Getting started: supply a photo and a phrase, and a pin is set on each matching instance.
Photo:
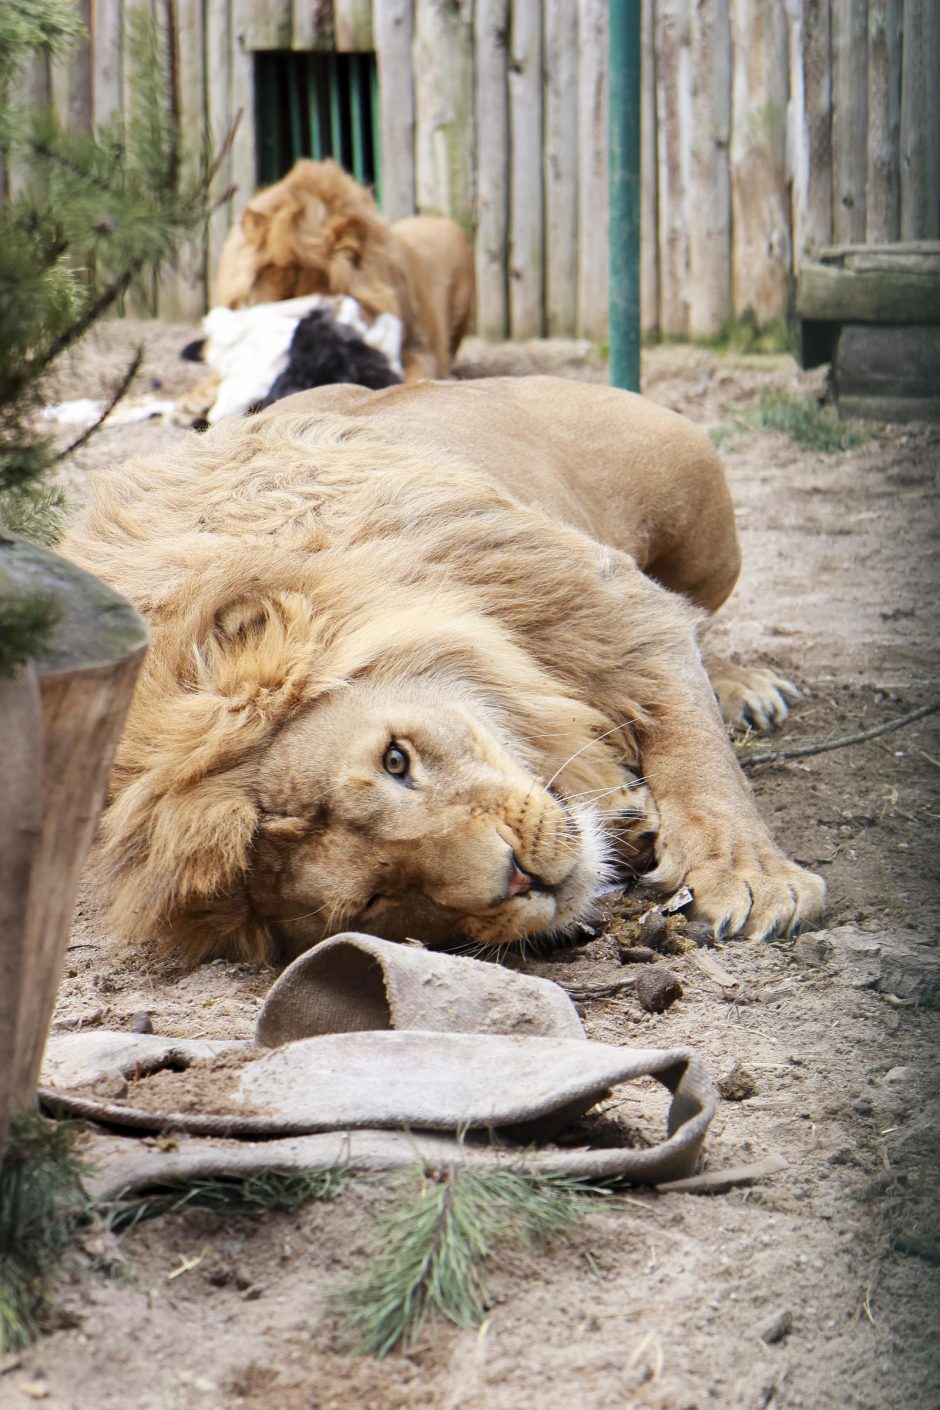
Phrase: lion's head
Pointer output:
(317, 231)
(402, 813)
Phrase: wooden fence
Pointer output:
(770, 129)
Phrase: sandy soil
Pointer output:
(657, 1300)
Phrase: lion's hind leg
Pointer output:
(752, 697)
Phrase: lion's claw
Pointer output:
(766, 897)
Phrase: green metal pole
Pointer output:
(624, 177)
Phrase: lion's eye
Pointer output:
(395, 761)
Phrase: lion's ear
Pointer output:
(260, 650)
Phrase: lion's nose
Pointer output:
(519, 881)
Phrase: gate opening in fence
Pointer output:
(317, 105)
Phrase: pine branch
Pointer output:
(432, 1251)
(118, 395)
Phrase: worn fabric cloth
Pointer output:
(376, 1055)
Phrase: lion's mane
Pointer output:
(276, 559)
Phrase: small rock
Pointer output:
(141, 1022)
(737, 1084)
(862, 1107)
(110, 1086)
(657, 988)
(36, 1390)
(636, 954)
(901, 1075)
(253, 1293)
(775, 1327)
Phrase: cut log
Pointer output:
(62, 719)
(899, 285)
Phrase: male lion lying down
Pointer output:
(317, 231)
(406, 666)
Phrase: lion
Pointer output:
(317, 231)
(424, 664)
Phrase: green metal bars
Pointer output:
(624, 176)
(317, 105)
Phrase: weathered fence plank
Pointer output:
(242, 168)
(883, 177)
(393, 37)
(710, 181)
(70, 80)
(181, 287)
(809, 128)
(108, 50)
(269, 24)
(760, 257)
(593, 198)
(490, 39)
(312, 24)
(649, 176)
(526, 218)
(219, 109)
(352, 25)
(849, 118)
(561, 167)
(445, 156)
(673, 117)
(920, 121)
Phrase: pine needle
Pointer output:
(252, 1195)
(41, 1201)
(432, 1250)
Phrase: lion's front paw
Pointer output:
(760, 896)
(752, 696)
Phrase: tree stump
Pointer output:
(61, 716)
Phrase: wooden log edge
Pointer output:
(81, 684)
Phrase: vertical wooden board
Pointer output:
(107, 67)
(141, 299)
(920, 121)
(809, 130)
(352, 26)
(560, 40)
(269, 24)
(849, 119)
(710, 185)
(70, 79)
(243, 168)
(526, 214)
(394, 31)
(36, 88)
(883, 182)
(219, 31)
(593, 190)
(312, 24)
(443, 76)
(673, 122)
(649, 176)
(181, 287)
(760, 256)
(490, 38)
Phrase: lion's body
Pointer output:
(441, 569)
(318, 231)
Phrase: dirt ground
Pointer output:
(655, 1301)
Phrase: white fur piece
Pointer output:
(249, 347)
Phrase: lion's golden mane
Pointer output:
(277, 561)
